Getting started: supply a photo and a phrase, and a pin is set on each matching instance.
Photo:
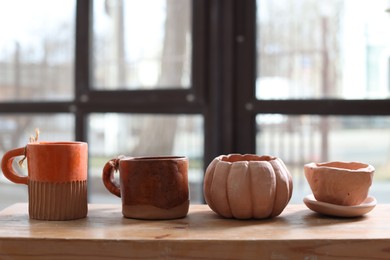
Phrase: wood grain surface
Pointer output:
(297, 233)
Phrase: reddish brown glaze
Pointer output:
(158, 184)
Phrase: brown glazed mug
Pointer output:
(150, 187)
(57, 178)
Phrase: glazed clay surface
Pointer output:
(247, 186)
(341, 183)
(150, 187)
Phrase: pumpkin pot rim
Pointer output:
(236, 157)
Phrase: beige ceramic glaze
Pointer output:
(247, 186)
(340, 183)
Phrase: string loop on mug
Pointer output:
(115, 162)
(32, 139)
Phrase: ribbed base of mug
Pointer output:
(57, 201)
(152, 212)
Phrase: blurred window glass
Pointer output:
(323, 49)
(141, 44)
(37, 50)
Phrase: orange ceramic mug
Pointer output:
(150, 187)
(57, 178)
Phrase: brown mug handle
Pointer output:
(8, 170)
(108, 176)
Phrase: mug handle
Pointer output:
(108, 176)
(8, 170)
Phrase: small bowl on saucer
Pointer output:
(340, 183)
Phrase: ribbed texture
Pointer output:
(57, 201)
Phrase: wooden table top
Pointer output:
(297, 232)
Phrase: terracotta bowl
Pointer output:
(340, 183)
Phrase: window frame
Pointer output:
(248, 106)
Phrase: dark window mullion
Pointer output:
(245, 70)
(324, 107)
(199, 54)
(82, 65)
(82, 47)
(158, 96)
(35, 107)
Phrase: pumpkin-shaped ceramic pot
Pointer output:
(247, 186)
(341, 183)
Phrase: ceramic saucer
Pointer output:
(338, 210)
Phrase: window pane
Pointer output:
(15, 131)
(323, 49)
(298, 140)
(111, 135)
(36, 50)
(141, 44)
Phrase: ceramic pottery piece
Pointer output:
(150, 187)
(247, 186)
(338, 210)
(340, 183)
(57, 178)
